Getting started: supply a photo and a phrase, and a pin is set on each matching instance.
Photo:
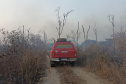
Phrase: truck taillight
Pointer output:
(53, 53)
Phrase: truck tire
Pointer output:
(52, 64)
(61, 40)
(72, 63)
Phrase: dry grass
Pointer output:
(25, 69)
(104, 63)
(68, 77)
(20, 61)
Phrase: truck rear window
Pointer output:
(64, 46)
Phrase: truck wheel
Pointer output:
(72, 63)
(52, 64)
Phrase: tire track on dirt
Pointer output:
(60, 75)
(89, 78)
(68, 77)
(52, 76)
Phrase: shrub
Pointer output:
(22, 61)
(104, 63)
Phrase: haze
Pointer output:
(38, 14)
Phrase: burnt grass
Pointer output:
(67, 76)
(22, 58)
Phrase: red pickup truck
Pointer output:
(62, 52)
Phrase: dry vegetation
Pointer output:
(104, 61)
(68, 77)
(21, 58)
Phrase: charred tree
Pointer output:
(61, 22)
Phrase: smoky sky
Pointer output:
(41, 15)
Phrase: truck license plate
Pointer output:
(64, 59)
(64, 51)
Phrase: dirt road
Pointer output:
(89, 77)
(53, 76)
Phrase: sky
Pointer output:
(41, 15)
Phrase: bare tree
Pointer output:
(72, 36)
(83, 32)
(44, 34)
(53, 40)
(87, 37)
(68, 37)
(23, 32)
(62, 22)
(111, 19)
(28, 30)
(95, 32)
(87, 32)
(120, 39)
(77, 35)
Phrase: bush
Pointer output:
(22, 61)
(104, 63)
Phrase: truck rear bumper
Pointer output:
(64, 59)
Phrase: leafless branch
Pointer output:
(87, 33)
(57, 29)
(83, 32)
(121, 28)
(53, 40)
(28, 32)
(111, 19)
(124, 32)
(61, 22)
(95, 31)
(77, 34)
(64, 19)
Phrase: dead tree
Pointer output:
(68, 37)
(87, 32)
(87, 37)
(77, 35)
(44, 34)
(23, 33)
(23, 38)
(95, 32)
(83, 32)
(28, 30)
(53, 40)
(111, 19)
(123, 41)
(73, 36)
(62, 22)
(120, 39)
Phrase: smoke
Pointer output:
(36, 14)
